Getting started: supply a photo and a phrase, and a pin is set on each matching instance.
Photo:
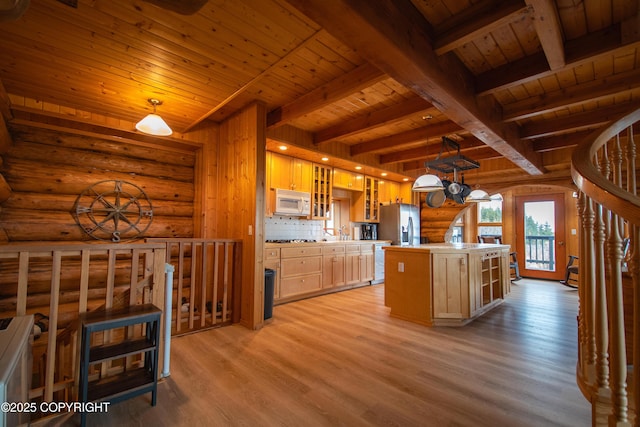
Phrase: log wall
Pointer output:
(47, 169)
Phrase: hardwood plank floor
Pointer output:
(341, 360)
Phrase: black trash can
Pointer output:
(269, 289)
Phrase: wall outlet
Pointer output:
(573, 231)
(401, 267)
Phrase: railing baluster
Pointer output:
(587, 277)
(601, 321)
(618, 358)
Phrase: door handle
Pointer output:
(560, 243)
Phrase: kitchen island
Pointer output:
(445, 283)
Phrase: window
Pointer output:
(458, 230)
(490, 217)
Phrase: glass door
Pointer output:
(540, 231)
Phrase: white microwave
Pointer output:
(292, 203)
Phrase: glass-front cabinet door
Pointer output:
(321, 192)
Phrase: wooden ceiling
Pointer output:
(516, 82)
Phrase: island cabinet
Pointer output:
(445, 284)
(301, 269)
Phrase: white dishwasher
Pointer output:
(379, 261)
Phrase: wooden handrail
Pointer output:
(590, 181)
(609, 277)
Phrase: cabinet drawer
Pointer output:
(332, 249)
(366, 248)
(272, 253)
(353, 248)
(300, 266)
(300, 285)
(490, 254)
(300, 251)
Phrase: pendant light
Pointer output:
(478, 196)
(427, 184)
(153, 123)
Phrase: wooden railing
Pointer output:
(604, 168)
(60, 281)
(538, 252)
(207, 276)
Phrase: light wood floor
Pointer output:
(341, 360)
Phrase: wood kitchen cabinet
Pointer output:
(333, 266)
(272, 261)
(366, 206)
(445, 284)
(360, 263)
(310, 269)
(321, 191)
(490, 287)
(289, 173)
(451, 290)
(301, 268)
(389, 191)
(348, 180)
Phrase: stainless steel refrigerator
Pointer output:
(400, 223)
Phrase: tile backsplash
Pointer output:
(291, 227)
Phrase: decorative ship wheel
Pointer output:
(113, 210)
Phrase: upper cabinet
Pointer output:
(348, 180)
(366, 205)
(290, 173)
(321, 191)
(389, 191)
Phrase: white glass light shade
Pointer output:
(478, 196)
(154, 125)
(427, 184)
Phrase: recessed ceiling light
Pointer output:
(405, 179)
(358, 167)
(282, 147)
(325, 159)
(383, 174)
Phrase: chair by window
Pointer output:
(514, 268)
(572, 270)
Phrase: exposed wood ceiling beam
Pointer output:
(422, 152)
(476, 21)
(578, 51)
(405, 53)
(547, 25)
(404, 138)
(560, 141)
(573, 96)
(373, 120)
(362, 77)
(575, 122)
(251, 82)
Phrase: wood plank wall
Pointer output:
(234, 200)
(48, 168)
